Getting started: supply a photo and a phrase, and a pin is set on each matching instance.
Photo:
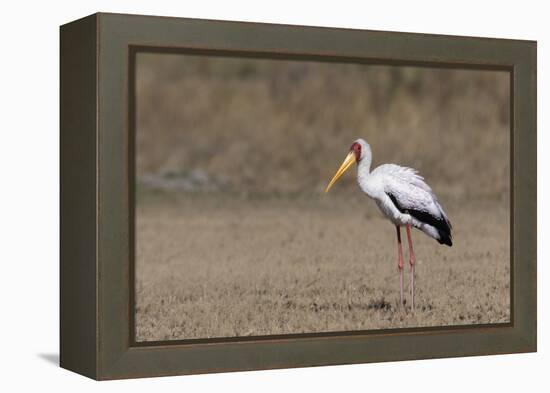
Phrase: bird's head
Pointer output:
(359, 150)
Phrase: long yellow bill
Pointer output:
(349, 161)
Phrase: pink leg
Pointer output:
(412, 261)
(400, 262)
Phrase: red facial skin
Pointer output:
(356, 148)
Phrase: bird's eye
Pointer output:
(356, 147)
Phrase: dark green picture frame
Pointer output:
(97, 155)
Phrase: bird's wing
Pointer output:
(405, 174)
(410, 194)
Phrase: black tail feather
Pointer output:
(445, 238)
(441, 223)
(442, 226)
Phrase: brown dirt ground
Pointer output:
(218, 265)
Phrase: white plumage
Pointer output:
(403, 197)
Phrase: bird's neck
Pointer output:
(363, 172)
(363, 166)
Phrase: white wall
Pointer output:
(29, 197)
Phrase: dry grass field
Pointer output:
(212, 266)
(234, 236)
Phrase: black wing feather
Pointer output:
(440, 223)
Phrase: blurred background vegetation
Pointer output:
(278, 127)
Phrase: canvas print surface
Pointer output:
(235, 235)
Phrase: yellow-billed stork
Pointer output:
(403, 197)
